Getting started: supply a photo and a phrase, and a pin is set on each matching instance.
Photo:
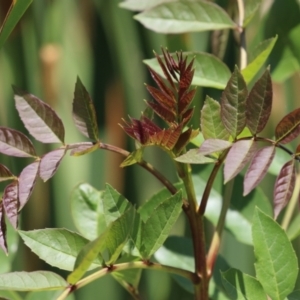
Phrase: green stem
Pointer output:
(197, 230)
(216, 240)
(292, 205)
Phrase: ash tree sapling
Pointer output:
(113, 235)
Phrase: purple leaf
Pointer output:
(39, 118)
(288, 128)
(211, 123)
(50, 163)
(213, 145)
(238, 156)
(5, 173)
(284, 186)
(258, 168)
(259, 104)
(15, 143)
(27, 180)
(11, 203)
(3, 243)
(84, 113)
(233, 104)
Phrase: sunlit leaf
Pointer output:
(260, 55)
(84, 149)
(213, 145)
(233, 104)
(139, 5)
(3, 243)
(109, 244)
(284, 186)
(27, 180)
(194, 157)
(259, 104)
(211, 123)
(11, 203)
(50, 162)
(84, 113)
(32, 281)
(209, 70)
(46, 295)
(39, 118)
(15, 143)
(16, 11)
(85, 201)
(5, 173)
(258, 168)
(156, 228)
(288, 128)
(185, 16)
(57, 247)
(276, 263)
(238, 156)
(239, 285)
(251, 8)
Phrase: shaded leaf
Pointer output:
(32, 281)
(214, 145)
(57, 247)
(5, 173)
(233, 104)
(84, 113)
(293, 230)
(84, 149)
(15, 143)
(238, 156)
(85, 201)
(50, 162)
(156, 228)
(276, 263)
(260, 55)
(284, 186)
(242, 286)
(211, 123)
(11, 203)
(194, 157)
(288, 128)
(209, 70)
(258, 168)
(27, 180)
(109, 244)
(197, 16)
(39, 118)
(259, 104)
(3, 243)
(295, 295)
(16, 11)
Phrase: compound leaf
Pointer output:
(3, 243)
(185, 16)
(276, 263)
(15, 143)
(27, 180)
(259, 104)
(211, 123)
(233, 104)
(258, 168)
(57, 247)
(194, 157)
(11, 203)
(39, 118)
(213, 145)
(84, 113)
(50, 163)
(284, 186)
(5, 173)
(238, 156)
(288, 128)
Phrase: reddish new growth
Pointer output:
(172, 101)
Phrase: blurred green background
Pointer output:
(101, 43)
